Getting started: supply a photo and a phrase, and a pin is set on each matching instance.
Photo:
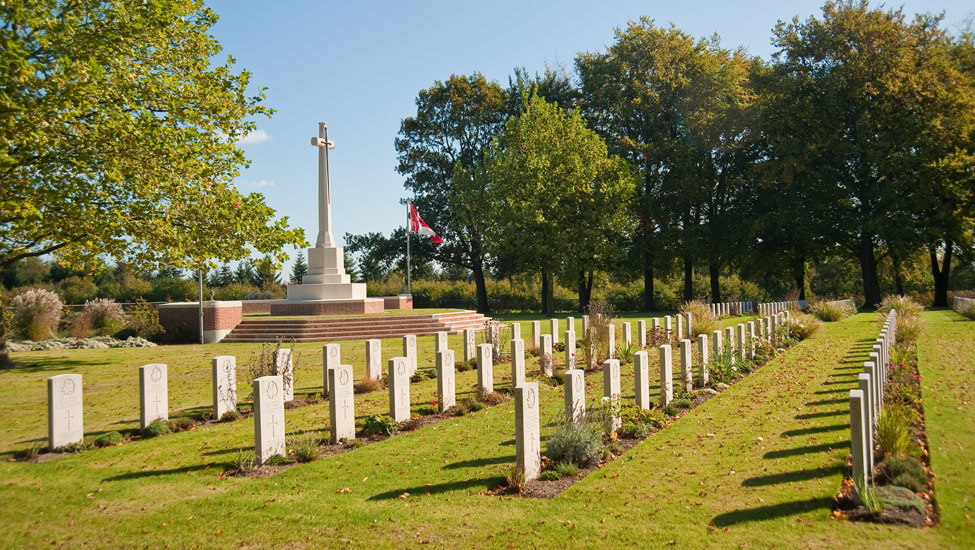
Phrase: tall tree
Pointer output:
(119, 137)
(556, 194)
(668, 103)
(299, 269)
(867, 96)
(454, 124)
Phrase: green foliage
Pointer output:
(514, 478)
(231, 416)
(900, 498)
(893, 433)
(277, 460)
(831, 311)
(682, 403)
(721, 368)
(143, 318)
(36, 314)
(703, 321)
(640, 422)
(423, 374)
(869, 496)
(243, 461)
(467, 405)
(109, 439)
(181, 424)
(580, 443)
(156, 428)
(105, 314)
(379, 424)
(803, 326)
(34, 450)
(625, 352)
(905, 471)
(305, 447)
(77, 290)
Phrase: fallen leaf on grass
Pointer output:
(344, 490)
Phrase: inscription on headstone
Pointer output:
(284, 367)
(399, 388)
(154, 394)
(528, 454)
(446, 396)
(374, 359)
(330, 359)
(469, 347)
(268, 417)
(224, 371)
(341, 403)
(575, 394)
(64, 411)
(517, 362)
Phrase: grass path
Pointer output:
(946, 357)
(755, 467)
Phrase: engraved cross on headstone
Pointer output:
(157, 403)
(274, 423)
(67, 417)
(345, 406)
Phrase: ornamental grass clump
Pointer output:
(703, 321)
(106, 315)
(909, 323)
(831, 311)
(579, 442)
(894, 431)
(36, 314)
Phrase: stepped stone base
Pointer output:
(327, 307)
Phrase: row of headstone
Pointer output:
(866, 401)
(771, 308)
(732, 309)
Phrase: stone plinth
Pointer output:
(182, 320)
(327, 307)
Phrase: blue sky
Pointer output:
(359, 65)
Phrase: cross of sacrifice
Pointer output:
(324, 239)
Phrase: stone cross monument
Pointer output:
(326, 289)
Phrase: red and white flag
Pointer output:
(417, 225)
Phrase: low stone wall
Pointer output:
(182, 320)
(401, 301)
(252, 307)
(327, 307)
(961, 304)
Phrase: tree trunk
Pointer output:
(548, 293)
(715, 276)
(868, 271)
(5, 361)
(688, 278)
(649, 304)
(941, 274)
(481, 288)
(585, 290)
(799, 274)
(898, 277)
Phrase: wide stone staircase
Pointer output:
(317, 329)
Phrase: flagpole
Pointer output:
(409, 288)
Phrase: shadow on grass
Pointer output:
(815, 430)
(772, 511)
(480, 462)
(41, 366)
(809, 416)
(789, 477)
(809, 449)
(157, 473)
(461, 485)
(827, 402)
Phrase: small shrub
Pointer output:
(804, 326)
(243, 461)
(109, 439)
(493, 398)
(969, 311)
(869, 496)
(894, 431)
(181, 424)
(230, 416)
(909, 327)
(80, 326)
(550, 475)
(566, 469)
(702, 320)
(720, 367)
(904, 305)
(34, 450)
(625, 352)
(143, 318)
(305, 447)
(467, 405)
(106, 315)
(277, 460)
(379, 425)
(515, 478)
(353, 443)
(36, 314)
(580, 443)
(904, 471)
(681, 403)
(367, 385)
(423, 374)
(156, 428)
(464, 366)
(832, 311)
(900, 498)
(671, 410)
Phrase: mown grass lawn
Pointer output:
(756, 466)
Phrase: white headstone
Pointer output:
(865, 382)
(516, 331)
(374, 359)
(517, 362)
(641, 328)
(528, 454)
(224, 371)
(641, 379)
(668, 326)
(858, 443)
(611, 340)
(470, 349)
(702, 351)
(446, 397)
(750, 331)
(546, 358)
(729, 341)
(761, 328)
(284, 367)
(536, 335)
(611, 389)
(570, 324)
(680, 326)
(268, 417)
(740, 340)
(341, 402)
(686, 366)
(666, 375)
(331, 354)
(575, 394)
(570, 349)
(716, 344)
(65, 424)
(688, 324)
(585, 324)
(554, 330)
(409, 351)
(440, 341)
(153, 393)
(485, 369)
(627, 334)
(399, 388)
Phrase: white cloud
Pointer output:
(257, 136)
(256, 184)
